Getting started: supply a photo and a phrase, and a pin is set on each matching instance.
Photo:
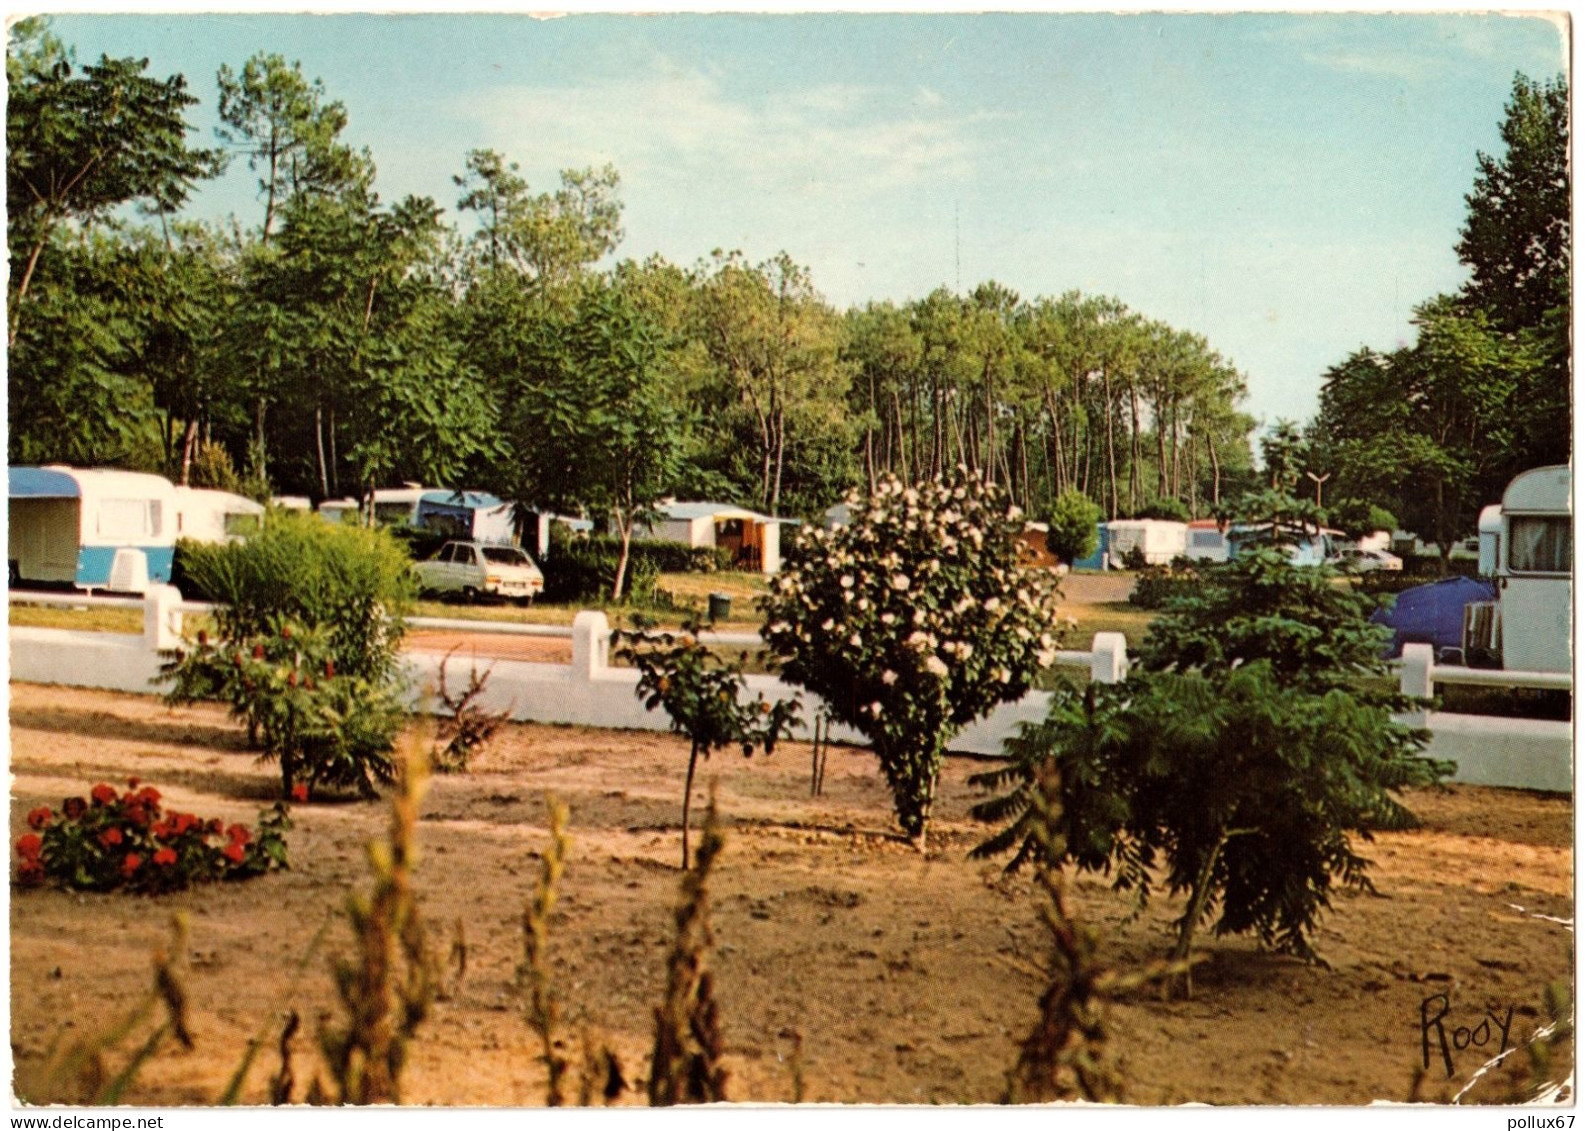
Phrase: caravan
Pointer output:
(1535, 559)
(91, 528)
(203, 515)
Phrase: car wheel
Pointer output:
(469, 594)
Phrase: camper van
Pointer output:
(215, 516)
(91, 528)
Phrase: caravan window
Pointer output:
(1540, 545)
(393, 513)
(239, 523)
(124, 519)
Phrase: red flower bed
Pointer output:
(126, 840)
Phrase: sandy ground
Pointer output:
(907, 978)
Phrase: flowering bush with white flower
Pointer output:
(913, 621)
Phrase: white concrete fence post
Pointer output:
(162, 617)
(1415, 680)
(1109, 657)
(591, 645)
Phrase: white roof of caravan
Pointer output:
(691, 511)
(138, 484)
(235, 504)
(1544, 490)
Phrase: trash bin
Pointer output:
(720, 607)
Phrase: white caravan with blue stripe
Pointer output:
(68, 524)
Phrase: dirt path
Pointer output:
(907, 978)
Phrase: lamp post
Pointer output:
(1317, 480)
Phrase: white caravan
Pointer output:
(1534, 564)
(205, 515)
(1158, 539)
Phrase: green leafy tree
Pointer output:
(703, 694)
(912, 621)
(1071, 527)
(776, 348)
(590, 422)
(1264, 689)
(1516, 238)
(549, 238)
(289, 130)
(80, 142)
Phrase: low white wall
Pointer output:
(1516, 753)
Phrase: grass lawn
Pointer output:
(1108, 616)
(78, 619)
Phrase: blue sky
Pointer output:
(1288, 185)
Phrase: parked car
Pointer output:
(473, 570)
(1356, 560)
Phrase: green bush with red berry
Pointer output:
(329, 728)
(126, 840)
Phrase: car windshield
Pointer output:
(505, 555)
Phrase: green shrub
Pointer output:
(311, 617)
(587, 572)
(665, 556)
(327, 726)
(1156, 585)
(1256, 736)
(1171, 510)
(1071, 532)
(352, 580)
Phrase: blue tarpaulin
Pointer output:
(1432, 614)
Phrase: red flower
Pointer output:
(74, 807)
(138, 815)
(165, 857)
(102, 794)
(258, 651)
(181, 822)
(31, 872)
(234, 852)
(330, 669)
(30, 845)
(148, 795)
(239, 834)
(110, 837)
(131, 864)
(39, 817)
(300, 791)
(236, 660)
(286, 632)
(291, 679)
(161, 830)
(132, 783)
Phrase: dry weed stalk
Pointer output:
(601, 1069)
(686, 1066)
(465, 727)
(542, 1011)
(78, 1073)
(1065, 1055)
(282, 1083)
(387, 990)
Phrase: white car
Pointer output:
(1355, 560)
(472, 570)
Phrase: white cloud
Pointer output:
(672, 123)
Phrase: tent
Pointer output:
(1432, 614)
